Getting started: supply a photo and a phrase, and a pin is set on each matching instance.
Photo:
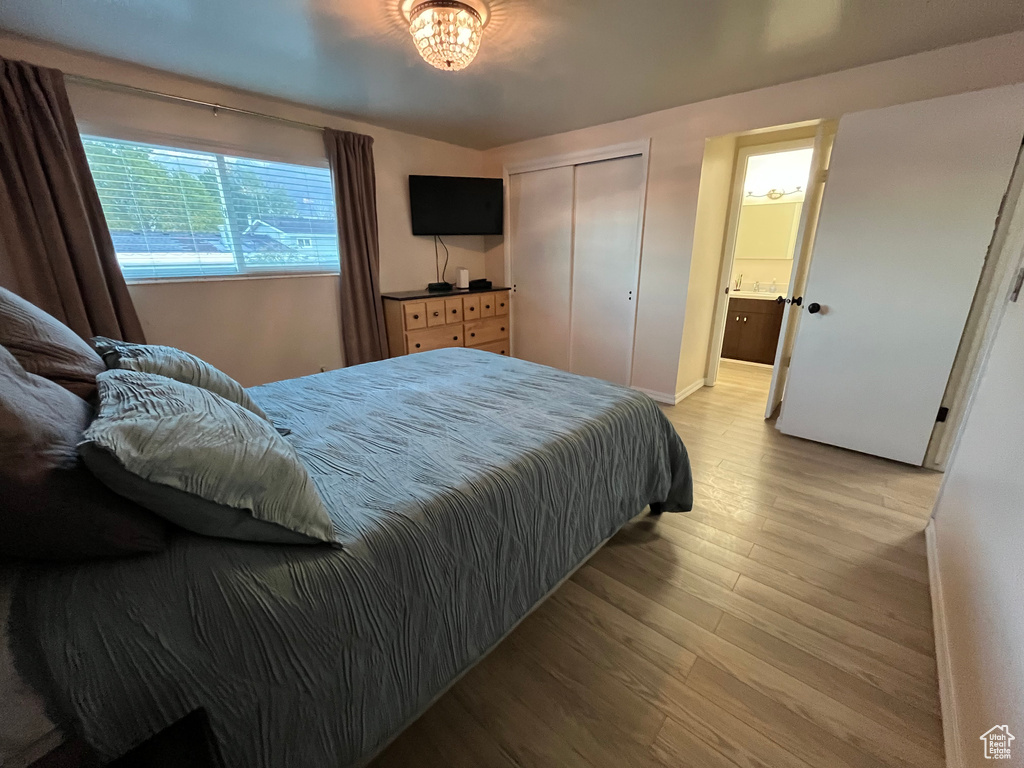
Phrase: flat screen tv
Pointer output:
(455, 205)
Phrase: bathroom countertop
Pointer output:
(763, 295)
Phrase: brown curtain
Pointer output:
(55, 249)
(363, 336)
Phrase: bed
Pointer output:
(463, 487)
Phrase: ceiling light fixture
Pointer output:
(446, 33)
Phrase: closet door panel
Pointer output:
(606, 260)
(540, 226)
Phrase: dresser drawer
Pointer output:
(485, 331)
(415, 315)
(471, 306)
(488, 304)
(435, 313)
(434, 338)
(497, 347)
(453, 310)
(501, 303)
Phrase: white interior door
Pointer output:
(801, 264)
(540, 227)
(606, 267)
(910, 206)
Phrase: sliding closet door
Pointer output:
(606, 263)
(540, 219)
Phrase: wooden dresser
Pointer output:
(418, 321)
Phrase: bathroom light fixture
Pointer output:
(776, 194)
(446, 32)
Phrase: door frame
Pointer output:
(998, 275)
(824, 138)
(642, 148)
(768, 147)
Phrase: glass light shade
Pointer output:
(446, 33)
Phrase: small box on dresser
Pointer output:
(418, 321)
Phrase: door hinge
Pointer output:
(823, 176)
(943, 413)
(1017, 285)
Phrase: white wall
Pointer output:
(677, 146)
(222, 318)
(712, 215)
(979, 548)
(254, 330)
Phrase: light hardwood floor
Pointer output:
(784, 622)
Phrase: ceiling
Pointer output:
(545, 66)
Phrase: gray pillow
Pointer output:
(174, 364)
(200, 461)
(46, 347)
(51, 507)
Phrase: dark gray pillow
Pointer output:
(174, 364)
(51, 507)
(200, 461)
(44, 346)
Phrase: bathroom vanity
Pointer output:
(752, 327)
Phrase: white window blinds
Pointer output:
(185, 213)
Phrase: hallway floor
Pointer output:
(786, 621)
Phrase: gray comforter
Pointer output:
(462, 485)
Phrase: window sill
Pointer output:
(225, 278)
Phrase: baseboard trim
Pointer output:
(947, 691)
(666, 398)
(658, 397)
(747, 362)
(685, 392)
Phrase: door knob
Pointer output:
(798, 301)
(814, 308)
(780, 300)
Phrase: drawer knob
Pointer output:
(473, 335)
(455, 338)
(487, 306)
(417, 346)
(415, 317)
(503, 328)
(472, 308)
(455, 311)
(437, 314)
(502, 304)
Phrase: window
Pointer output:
(183, 213)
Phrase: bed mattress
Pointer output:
(462, 486)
